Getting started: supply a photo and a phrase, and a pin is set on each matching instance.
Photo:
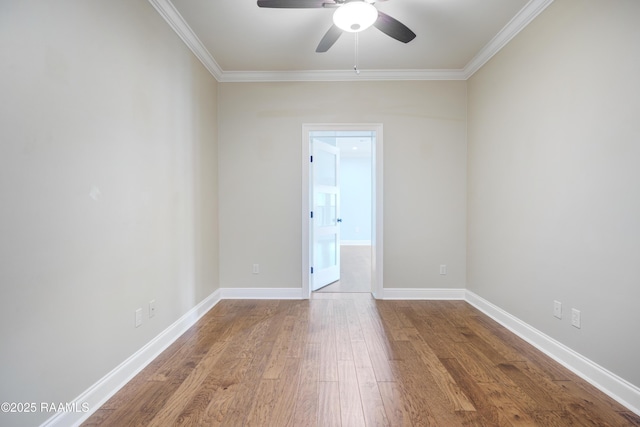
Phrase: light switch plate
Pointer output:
(575, 318)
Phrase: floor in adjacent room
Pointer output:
(355, 270)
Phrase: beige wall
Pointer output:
(110, 170)
(98, 96)
(554, 200)
(424, 178)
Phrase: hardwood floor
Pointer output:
(349, 360)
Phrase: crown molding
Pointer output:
(170, 14)
(340, 75)
(167, 10)
(527, 14)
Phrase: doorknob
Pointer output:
(339, 220)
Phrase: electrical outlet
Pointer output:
(443, 269)
(575, 318)
(256, 268)
(557, 309)
(138, 317)
(152, 308)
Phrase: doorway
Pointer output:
(342, 208)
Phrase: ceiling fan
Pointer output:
(351, 15)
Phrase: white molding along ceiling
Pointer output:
(182, 27)
(166, 9)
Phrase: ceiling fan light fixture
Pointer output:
(355, 16)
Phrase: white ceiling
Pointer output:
(238, 41)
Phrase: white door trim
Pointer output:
(377, 285)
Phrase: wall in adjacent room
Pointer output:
(424, 176)
(108, 182)
(355, 199)
(554, 200)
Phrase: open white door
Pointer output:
(325, 214)
(309, 243)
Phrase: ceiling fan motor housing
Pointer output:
(355, 16)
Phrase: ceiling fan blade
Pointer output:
(394, 28)
(292, 4)
(329, 39)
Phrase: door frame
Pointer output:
(377, 285)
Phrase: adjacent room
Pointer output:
(157, 240)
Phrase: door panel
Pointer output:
(325, 203)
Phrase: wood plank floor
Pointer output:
(349, 360)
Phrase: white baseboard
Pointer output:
(426, 294)
(96, 395)
(261, 293)
(611, 384)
